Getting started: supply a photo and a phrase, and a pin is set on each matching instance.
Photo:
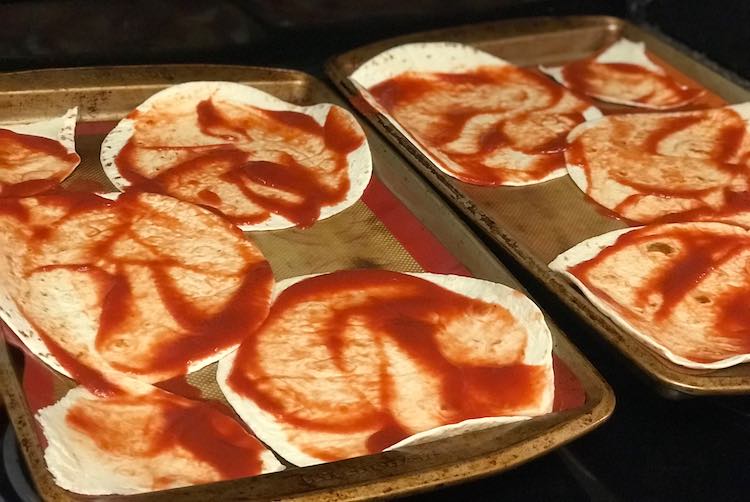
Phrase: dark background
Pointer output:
(303, 33)
(653, 448)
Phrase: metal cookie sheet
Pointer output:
(400, 224)
(536, 223)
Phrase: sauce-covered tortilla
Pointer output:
(663, 167)
(354, 362)
(145, 441)
(145, 286)
(484, 124)
(36, 157)
(683, 288)
(219, 145)
(624, 74)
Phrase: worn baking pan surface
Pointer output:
(536, 223)
(399, 224)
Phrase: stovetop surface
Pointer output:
(652, 448)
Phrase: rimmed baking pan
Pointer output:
(400, 224)
(535, 223)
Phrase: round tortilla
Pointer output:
(689, 336)
(182, 134)
(59, 285)
(527, 111)
(651, 88)
(131, 425)
(38, 170)
(280, 436)
(662, 167)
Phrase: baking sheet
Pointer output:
(536, 223)
(399, 224)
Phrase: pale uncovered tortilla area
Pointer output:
(37, 156)
(666, 167)
(682, 288)
(357, 362)
(145, 441)
(624, 74)
(477, 117)
(264, 163)
(146, 286)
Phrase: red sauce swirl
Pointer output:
(143, 427)
(623, 82)
(710, 183)
(695, 254)
(115, 260)
(396, 309)
(267, 162)
(32, 164)
(476, 124)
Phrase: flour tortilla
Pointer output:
(538, 352)
(682, 149)
(590, 248)
(627, 52)
(66, 303)
(61, 129)
(80, 466)
(441, 57)
(191, 93)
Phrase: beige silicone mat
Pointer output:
(536, 223)
(370, 234)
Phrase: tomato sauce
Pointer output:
(594, 79)
(170, 423)
(700, 254)
(200, 333)
(409, 320)
(304, 189)
(23, 152)
(93, 379)
(14, 208)
(723, 152)
(502, 91)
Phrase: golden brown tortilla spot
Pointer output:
(660, 247)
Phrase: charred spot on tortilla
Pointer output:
(660, 247)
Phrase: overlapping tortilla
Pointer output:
(264, 163)
(356, 362)
(682, 288)
(477, 117)
(146, 286)
(37, 156)
(145, 440)
(624, 74)
(683, 166)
